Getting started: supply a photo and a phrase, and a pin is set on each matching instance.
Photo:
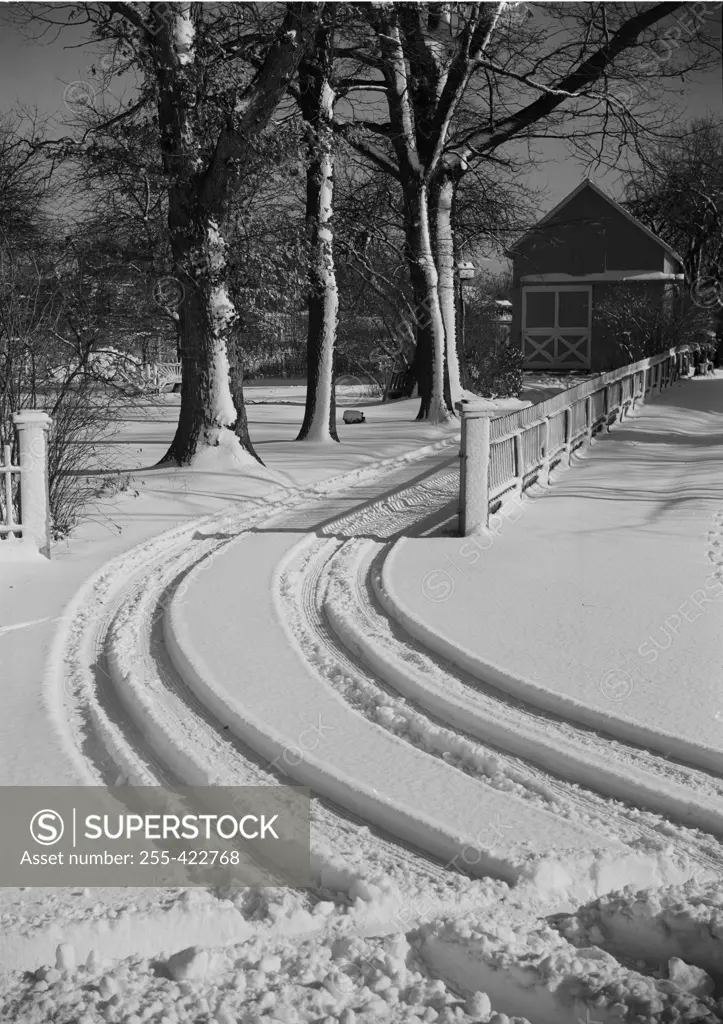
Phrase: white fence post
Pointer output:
(32, 427)
(475, 470)
(519, 462)
(545, 471)
(568, 434)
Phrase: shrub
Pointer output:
(644, 327)
(497, 372)
(46, 365)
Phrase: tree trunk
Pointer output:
(199, 190)
(236, 377)
(317, 105)
(206, 316)
(444, 212)
(429, 357)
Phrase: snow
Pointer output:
(470, 851)
(356, 764)
(427, 683)
(184, 33)
(632, 541)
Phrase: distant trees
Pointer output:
(23, 181)
(678, 193)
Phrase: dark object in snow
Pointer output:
(354, 416)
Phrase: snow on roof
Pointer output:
(587, 183)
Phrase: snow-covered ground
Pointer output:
(472, 830)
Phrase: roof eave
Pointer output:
(510, 253)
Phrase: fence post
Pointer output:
(474, 470)
(588, 416)
(568, 434)
(519, 463)
(32, 427)
(545, 471)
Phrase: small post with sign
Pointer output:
(465, 272)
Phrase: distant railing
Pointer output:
(502, 457)
(158, 375)
(24, 505)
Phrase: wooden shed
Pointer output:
(571, 262)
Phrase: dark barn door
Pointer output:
(556, 323)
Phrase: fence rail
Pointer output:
(24, 505)
(502, 457)
(158, 375)
(9, 495)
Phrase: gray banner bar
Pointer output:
(90, 836)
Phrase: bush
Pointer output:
(496, 373)
(46, 365)
(644, 327)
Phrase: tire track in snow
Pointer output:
(123, 699)
(356, 511)
(370, 694)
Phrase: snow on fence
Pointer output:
(25, 488)
(502, 457)
(158, 375)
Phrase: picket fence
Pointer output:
(501, 456)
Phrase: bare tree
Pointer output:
(678, 193)
(214, 75)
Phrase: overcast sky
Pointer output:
(36, 74)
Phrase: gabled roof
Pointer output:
(587, 183)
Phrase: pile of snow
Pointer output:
(351, 980)
(552, 982)
(490, 965)
(680, 925)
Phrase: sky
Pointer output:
(37, 74)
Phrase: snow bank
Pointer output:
(653, 926)
(530, 973)
(277, 977)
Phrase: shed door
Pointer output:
(556, 323)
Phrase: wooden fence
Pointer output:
(501, 457)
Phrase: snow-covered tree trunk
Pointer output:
(317, 105)
(201, 175)
(207, 316)
(444, 213)
(429, 361)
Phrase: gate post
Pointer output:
(32, 427)
(474, 470)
